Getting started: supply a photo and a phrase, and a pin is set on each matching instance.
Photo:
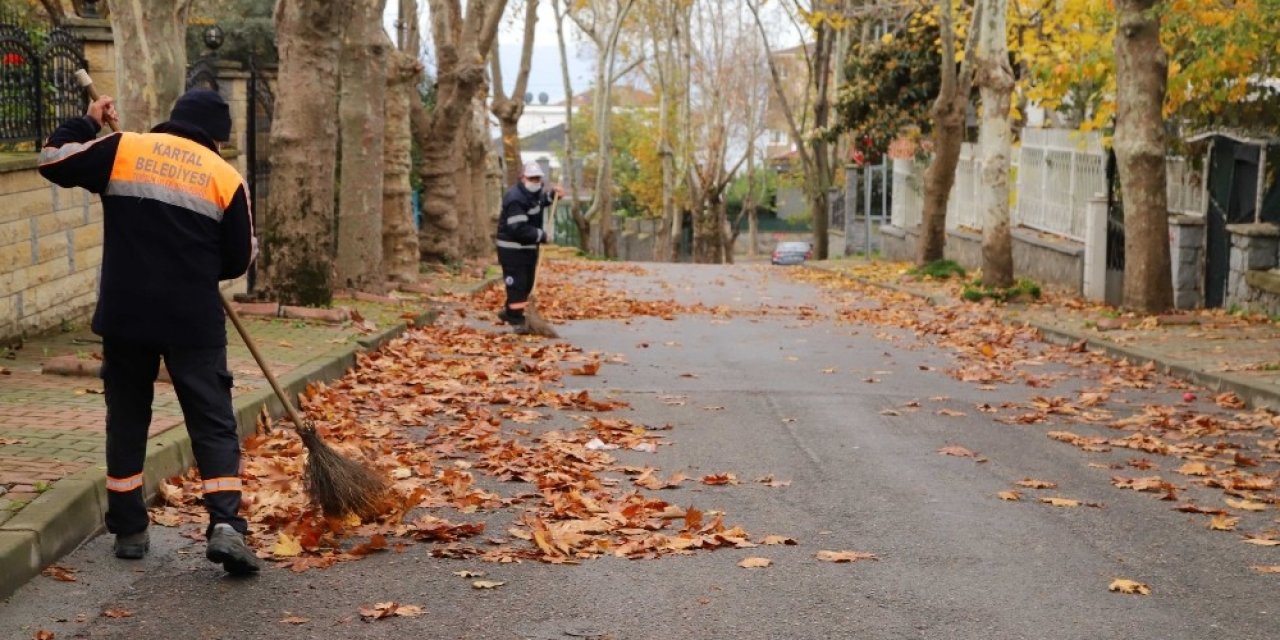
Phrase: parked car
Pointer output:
(791, 253)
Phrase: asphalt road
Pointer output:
(955, 562)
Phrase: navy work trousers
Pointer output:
(203, 385)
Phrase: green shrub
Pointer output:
(940, 269)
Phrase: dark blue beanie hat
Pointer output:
(205, 109)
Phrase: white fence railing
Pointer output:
(1057, 172)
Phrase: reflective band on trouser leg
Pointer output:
(214, 485)
(517, 306)
(124, 485)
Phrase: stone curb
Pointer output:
(72, 511)
(1254, 394)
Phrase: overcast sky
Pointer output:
(545, 76)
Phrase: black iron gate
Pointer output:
(260, 107)
(38, 88)
(1114, 282)
(1233, 189)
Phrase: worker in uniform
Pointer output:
(176, 221)
(520, 232)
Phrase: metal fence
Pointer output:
(1058, 172)
(38, 88)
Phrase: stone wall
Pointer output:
(1044, 258)
(50, 237)
(50, 250)
(1253, 283)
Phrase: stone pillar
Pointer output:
(233, 84)
(1094, 280)
(99, 51)
(1254, 247)
(1186, 248)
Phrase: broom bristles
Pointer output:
(536, 324)
(338, 484)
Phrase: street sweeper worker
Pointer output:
(176, 220)
(520, 232)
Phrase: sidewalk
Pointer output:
(1209, 347)
(51, 426)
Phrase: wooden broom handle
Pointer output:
(86, 83)
(262, 363)
(538, 266)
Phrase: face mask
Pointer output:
(532, 187)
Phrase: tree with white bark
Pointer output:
(994, 77)
(399, 234)
(508, 109)
(602, 22)
(361, 105)
(1142, 74)
(151, 58)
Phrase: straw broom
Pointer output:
(534, 322)
(339, 485)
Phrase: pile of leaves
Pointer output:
(461, 420)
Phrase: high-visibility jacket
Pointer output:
(520, 224)
(176, 218)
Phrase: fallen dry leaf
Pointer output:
(778, 540)
(1223, 522)
(1068, 502)
(1271, 568)
(844, 556)
(1247, 505)
(1228, 400)
(1011, 496)
(383, 610)
(486, 584)
(59, 573)
(720, 479)
(469, 574)
(1262, 542)
(755, 563)
(44, 634)
(959, 452)
(1032, 483)
(294, 619)
(1195, 469)
(116, 613)
(1121, 585)
(286, 547)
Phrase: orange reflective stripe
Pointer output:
(173, 170)
(213, 485)
(124, 485)
(518, 305)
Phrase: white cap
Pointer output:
(533, 170)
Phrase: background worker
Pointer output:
(177, 221)
(520, 232)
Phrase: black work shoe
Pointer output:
(133, 546)
(226, 545)
(505, 316)
(521, 329)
